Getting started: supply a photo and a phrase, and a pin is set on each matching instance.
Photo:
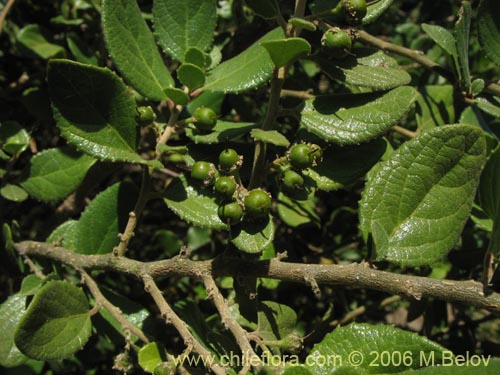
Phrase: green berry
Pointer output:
(176, 158)
(201, 170)
(257, 204)
(204, 118)
(292, 180)
(354, 10)
(230, 213)
(228, 160)
(336, 39)
(225, 186)
(300, 156)
(146, 115)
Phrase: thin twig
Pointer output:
(4, 13)
(112, 309)
(170, 129)
(305, 95)
(351, 315)
(34, 268)
(404, 131)
(172, 318)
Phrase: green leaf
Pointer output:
(275, 321)
(103, 219)
(253, 237)
(488, 107)
(267, 9)
(489, 196)
(178, 96)
(151, 356)
(367, 68)
(33, 38)
(56, 173)
(442, 37)
(196, 57)
(181, 25)
(488, 29)
(13, 193)
(250, 69)
(461, 34)
(56, 323)
(446, 366)
(191, 75)
(80, 50)
(11, 312)
(222, 132)
(375, 10)
(270, 136)
(209, 99)
(342, 166)
(297, 370)
(285, 51)
(417, 202)
(30, 285)
(194, 204)
(133, 49)
(65, 235)
(94, 111)
(365, 339)
(295, 213)
(352, 119)
(435, 106)
(13, 138)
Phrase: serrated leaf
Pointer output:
(94, 111)
(270, 136)
(222, 132)
(56, 323)
(375, 10)
(11, 312)
(103, 219)
(133, 49)
(342, 166)
(275, 321)
(13, 193)
(295, 213)
(191, 75)
(182, 25)
(250, 69)
(416, 203)
(14, 139)
(150, 356)
(56, 173)
(367, 68)
(285, 51)
(352, 119)
(488, 29)
(461, 34)
(442, 37)
(366, 339)
(435, 106)
(33, 38)
(194, 204)
(65, 234)
(253, 237)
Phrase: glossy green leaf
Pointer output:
(13, 193)
(367, 68)
(442, 37)
(461, 33)
(192, 203)
(191, 75)
(33, 38)
(196, 57)
(56, 323)
(275, 321)
(294, 212)
(14, 139)
(133, 49)
(178, 96)
(366, 339)
(416, 204)
(11, 311)
(285, 51)
(31, 284)
(208, 99)
(103, 219)
(435, 106)
(222, 132)
(56, 173)
(352, 119)
(180, 25)
(488, 107)
(270, 136)
(489, 195)
(253, 237)
(375, 10)
(488, 29)
(94, 111)
(250, 69)
(151, 356)
(65, 235)
(342, 166)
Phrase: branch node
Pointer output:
(313, 284)
(281, 256)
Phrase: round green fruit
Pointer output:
(355, 11)
(146, 115)
(228, 159)
(292, 180)
(204, 118)
(300, 156)
(225, 186)
(201, 170)
(257, 204)
(230, 213)
(336, 39)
